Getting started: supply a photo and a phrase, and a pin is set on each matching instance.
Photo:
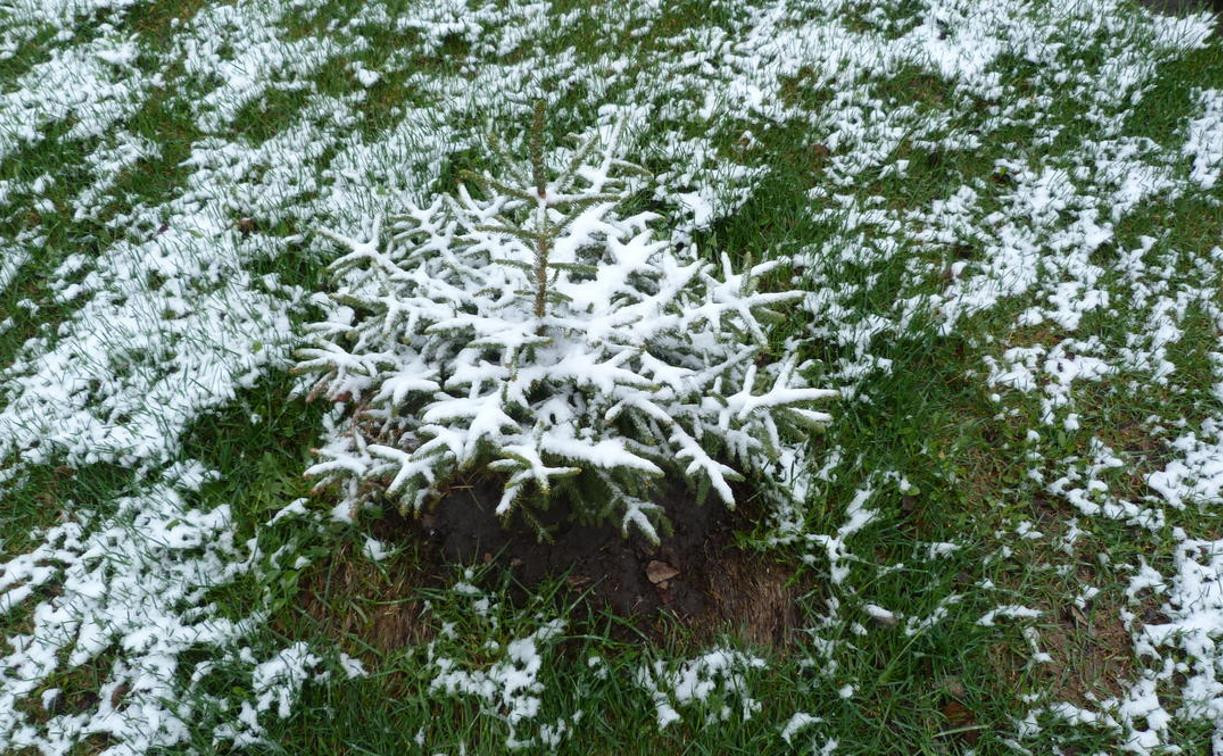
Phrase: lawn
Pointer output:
(1006, 219)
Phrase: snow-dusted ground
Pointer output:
(171, 319)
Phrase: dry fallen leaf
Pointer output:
(659, 572)
(961, 721)
(116, 697)
(954, 687)
(1075, 615)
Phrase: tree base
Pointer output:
(696, 577)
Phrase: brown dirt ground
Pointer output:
(718, 587)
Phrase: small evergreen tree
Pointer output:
(538, 332)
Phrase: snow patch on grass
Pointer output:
(712, 684)
(129, 596)
(1195, 475)
(505, 677)
(1205, 142)
(92, 86)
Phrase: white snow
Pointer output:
(506, 681)
(1204, 144)
(1195, 475)
(879, 614)
(1009, 611)
(375, 550)
(132, 581)
(800, 721)
(691, 683)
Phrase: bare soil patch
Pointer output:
(697, 575)
(696, 584)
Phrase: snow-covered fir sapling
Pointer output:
(534, 330)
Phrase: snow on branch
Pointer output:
(529, 327)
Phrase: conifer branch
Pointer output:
(543, 241)
(536, 332)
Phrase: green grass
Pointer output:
(948, 688)
(48, 493)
